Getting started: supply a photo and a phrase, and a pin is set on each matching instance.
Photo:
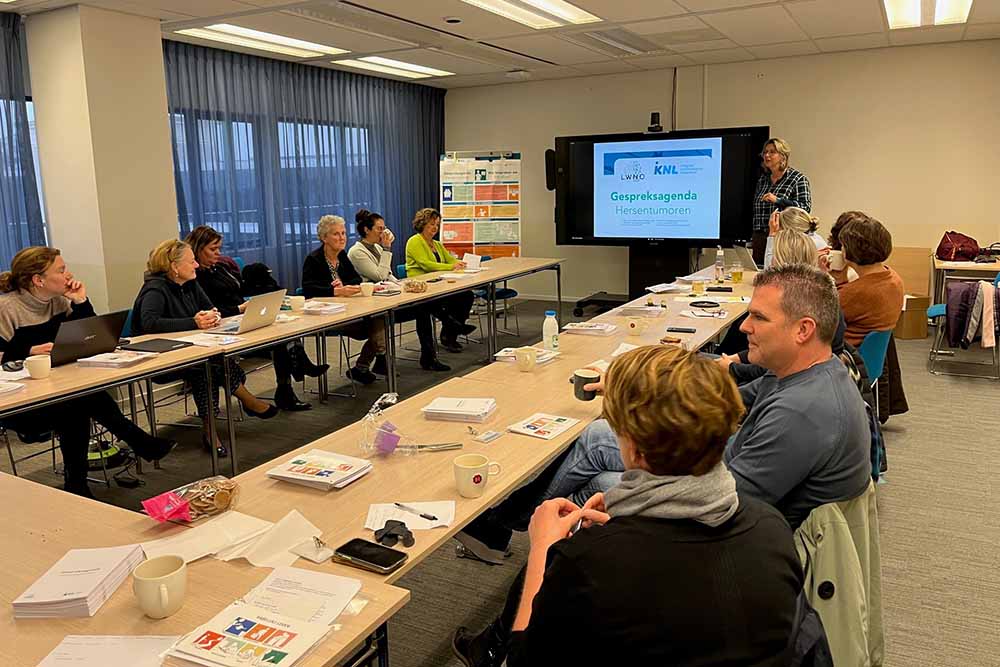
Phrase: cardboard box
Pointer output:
(912, 322)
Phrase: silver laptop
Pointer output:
(261, 311)
(745, 256)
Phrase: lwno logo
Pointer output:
(633, 172)
(664, 169)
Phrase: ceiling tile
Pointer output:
(784, 50)
(476, 23)
(985, 11)
(944, 33)
(757, 25)
(709, 5)
(630, 10)
(136, 8)
(446, 61)
(831, 18)
(549, 47)
(711, 45)
(545, 73)
(609, 67)
(720, 56)
(983, 31)
(468, 81)
(319, 32)
(660, 62)
(666, 25)
(853, 42)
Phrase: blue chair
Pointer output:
(401, 271)
(297, 292)
(239, 262)
(937, 313)
(873, 350)
(127, 329)
(503, 294)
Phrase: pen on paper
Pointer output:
(413, 510)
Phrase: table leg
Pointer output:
(212, 430)
(375, 649)
(559, 293)
(150, 408)
(324, 380)
(230, 424)
(491, 306)
(382, 641)
(390, 351)
(134, 413)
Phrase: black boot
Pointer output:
(380, 367)
(302, 365)
(285, 399)
(433, 364)
(147, 447)
(487, 649)
(450, 342)
(77, 484)
(361, 375)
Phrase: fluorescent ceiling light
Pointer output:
(384, 69)
(614, 43)
(563, 10)
(509, 10)
(902, 13)
(951, 11)
(410, 67)
(262, 41)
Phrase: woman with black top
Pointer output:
(778, 187)
(220, 277)
(171, 300)
(327, 271)
(36, 296)
(371, 255)
(672, 567)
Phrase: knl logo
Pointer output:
(633, 172)
(664, 169)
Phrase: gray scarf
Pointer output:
(710, 498)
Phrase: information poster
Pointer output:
(481, 204)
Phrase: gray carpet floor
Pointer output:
(938, 511)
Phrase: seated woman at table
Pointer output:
(172, 300)
(372, 257)
(36, 296)
(219, 276)
(327, 271)
(795, 219)
(425, 254)
(672, 566)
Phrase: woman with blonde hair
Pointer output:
(779, 186)
(172, 300)
(794, 219)
(37, 295)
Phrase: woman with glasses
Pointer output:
(778, 187)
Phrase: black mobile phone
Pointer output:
(433, 280)
(682, 330)
(719, 288)
(369, 556)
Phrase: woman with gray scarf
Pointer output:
(672, 566)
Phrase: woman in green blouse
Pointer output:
(425, 254)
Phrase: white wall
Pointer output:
(910, 135)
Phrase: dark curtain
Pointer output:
(21, 222)
(263, 148)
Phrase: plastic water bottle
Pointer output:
(550, 331)
(720, 265)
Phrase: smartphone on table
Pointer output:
(369, 556)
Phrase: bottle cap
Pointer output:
(549, 313)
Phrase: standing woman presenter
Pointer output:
(778, 187)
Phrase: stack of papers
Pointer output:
(11, 376)
(460, 409)
(119, 359)
(10, 387)
(541, 425)
(79, 583)
(305, 595)
(542, 355)
(225, 531)
(641, 311)
(108, 651)
(590, 328)
(379, 513)
(321, 470)
(456, 276)
(314, 307)
(273, 547)
(211, 340)
(244, 634)
(663, 288)
(708, 273)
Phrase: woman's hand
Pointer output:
(243, 306)
(346, 290)
(552, 521)
(460, 265)
(824, 259)
(387, 238)
(595, 511)
(773, 223)
(770, 197)
(75, 291)
(44, 348)
(595, 386)
(206, 319)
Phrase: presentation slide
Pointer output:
(668, 189)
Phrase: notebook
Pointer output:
(541, 425)
(460, 409)
(157, 345)
(321, 470)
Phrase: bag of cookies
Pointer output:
(194, 501)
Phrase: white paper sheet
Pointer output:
(310, 596)
(471, 261)
(13, 376)
(214, 535)
(622, 349)
(273, 548)
(663, 288)
(444, 510)
(108, 651)
(211, 340)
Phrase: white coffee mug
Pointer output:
(159, 585)
(297, 302)
(526, 358)
(472, 472)
(367, 289)
(38, 366)
(635, 325)
(837, 260)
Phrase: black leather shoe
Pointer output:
(487, 649)
(433, 364)
(451, 344)
(220, 451)
(380, 367)
(361, 375)
(149, 448)
(285, 399)
(466, 329)
(81, 488)
(267, 414)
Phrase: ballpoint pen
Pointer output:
(413, 510)
(438, 447)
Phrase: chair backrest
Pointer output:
(127, 329)
(996, 281)
(298, 291)
(239, 262)
(873, 349)
(485, 258)
(401, 271)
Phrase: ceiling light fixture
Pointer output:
(902, 13)
(563, 10)
(262, 41)
(409, 67)
(614, 43)
(509, 10)
(383, 69)
(947, 12)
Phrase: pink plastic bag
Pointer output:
(167, 507)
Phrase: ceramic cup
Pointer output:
(297, 302)
(581, 378)
(526, 358)
(367, 289)
(38, 366)
(472, 472)
(837, 260)
(635, 325)
(159, 585)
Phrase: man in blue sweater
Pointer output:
(804, 441)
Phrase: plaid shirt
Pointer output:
(792, 189)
